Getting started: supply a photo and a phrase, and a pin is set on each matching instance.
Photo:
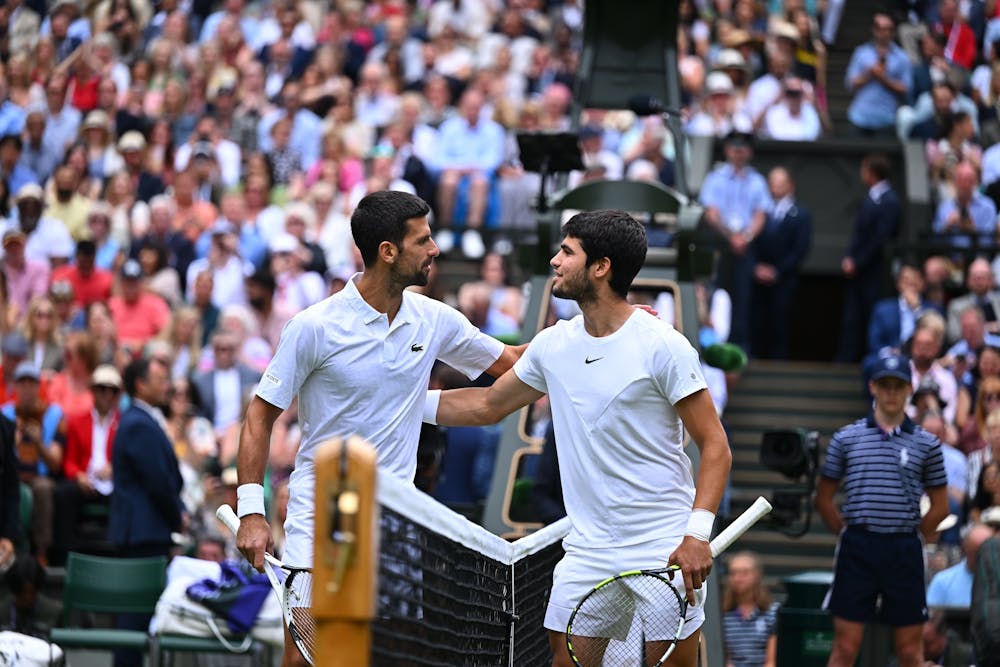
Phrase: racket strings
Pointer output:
(298, 597)
(633, 620)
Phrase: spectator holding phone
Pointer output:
(968, 214)
(879, 77)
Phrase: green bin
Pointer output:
(805, 630)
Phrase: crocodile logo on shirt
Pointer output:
(416, 348)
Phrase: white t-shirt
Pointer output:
(625, 476)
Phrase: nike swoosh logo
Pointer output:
(416, 348)
(588, 360)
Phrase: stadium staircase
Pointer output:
(774, 395)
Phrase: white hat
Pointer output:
(131, 141)
(718, 82)
(730, 58)
(283, 243)
(106, 375)
(30, 191)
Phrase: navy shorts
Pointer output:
(878, 577)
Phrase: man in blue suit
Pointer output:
(146, 504)
(863, 268)
(780, 249)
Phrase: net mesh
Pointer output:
(450, 596)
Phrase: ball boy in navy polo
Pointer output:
(886, 463)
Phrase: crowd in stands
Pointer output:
(177, 177)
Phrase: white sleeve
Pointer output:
(681, 374)
(462, 346)
(297, 355)
(528, 368)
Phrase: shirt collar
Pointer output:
(906, 427)
(369, 314)
(876, 191)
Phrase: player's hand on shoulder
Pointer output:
(646, 308)
(253, 539)
(694, 557)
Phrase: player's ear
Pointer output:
(601, 267)
(388, 251)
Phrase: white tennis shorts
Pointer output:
(582, 569)
(298, 549)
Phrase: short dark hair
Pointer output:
(878, 165)
(382, 216)
(14, 139)
(615, 235)
(137, 370)
(263, 278)
(86, 247)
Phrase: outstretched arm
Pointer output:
(477, 406)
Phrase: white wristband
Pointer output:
(700, 525)
(431, 406)
(249, 499)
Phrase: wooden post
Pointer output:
(345, 587)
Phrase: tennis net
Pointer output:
(451, 593)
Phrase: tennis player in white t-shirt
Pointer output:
(360, 362)
(623, 387)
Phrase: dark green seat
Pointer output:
(109, 586)
(636, 196)
(27, 507)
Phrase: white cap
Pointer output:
(718, 82)
(283, 243)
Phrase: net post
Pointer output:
(345, 557)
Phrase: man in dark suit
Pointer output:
(146, 504)
(877, 221)
(225, 389)
(780, 249)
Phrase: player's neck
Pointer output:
(605, 315)
(379, 293)
(889, 421)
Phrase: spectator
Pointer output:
(145, 185)
(43, 336)
(39, 452)
(62, 120)
(878, 77)
(793, 118)
(954, 146)
(880, 533)
(87, 463)
(470, 149)
(89, 282)
(968, 218)
(894, 319)
(40, 158)
(736, 202)
(961, 45)
(70, 388)
(225, 389)
(750, 618)
(138, 315)
(779, 251)
(979, 280)
(925, 350)
(26, 278)
(718, 115)
(962, 356)
(979, 459)
(877, 221)
(952, 587)
(16, 173)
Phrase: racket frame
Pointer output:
(722, 541)
(284, 591)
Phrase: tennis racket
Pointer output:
(637, 617)
(292, 585)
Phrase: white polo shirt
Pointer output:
(357, 374)
(625, 476)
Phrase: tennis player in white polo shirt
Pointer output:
(624, 386)
(360, 362)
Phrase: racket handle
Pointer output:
(226, 515)
(740, 525)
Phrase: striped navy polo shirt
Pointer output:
(884, 474)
